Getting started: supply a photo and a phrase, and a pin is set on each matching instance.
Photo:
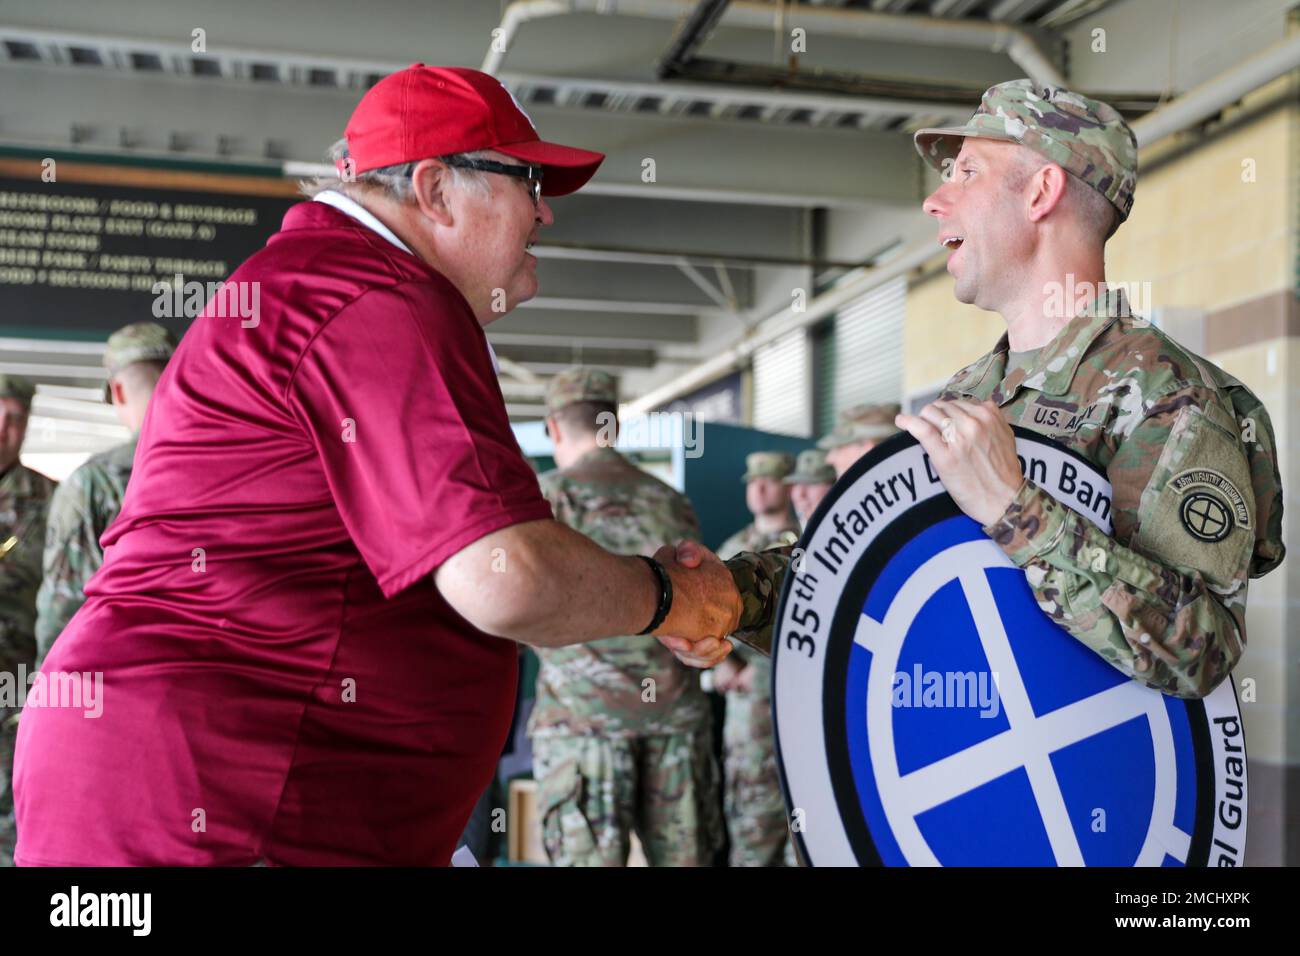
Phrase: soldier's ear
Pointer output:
(1046, 190)
(117, 391)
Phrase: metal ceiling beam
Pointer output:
(692, 32)
(730, 95)
(611, 329)
(618, 306)
(243, 65)
(707, 287)
(1019, 44)
(1014, 9)
(697, 160)
(665, 257)
(851, 86)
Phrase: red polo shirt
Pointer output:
(281, 677)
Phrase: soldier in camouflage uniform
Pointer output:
(811, 479)
(24, 498)
(755, 809)
(1189, 450)
(86, 503)
(859, 429)
(621, 731)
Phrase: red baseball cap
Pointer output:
(427, 111)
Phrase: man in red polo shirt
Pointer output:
(330, 528)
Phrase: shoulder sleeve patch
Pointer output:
(1204, 482)
(1197, 509)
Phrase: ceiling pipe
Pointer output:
(1202, 102)
(1189, 109)
(1007, 38)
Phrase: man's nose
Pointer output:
(936, 204)
(544, 214)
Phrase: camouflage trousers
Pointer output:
(595, 791)
(755, 809)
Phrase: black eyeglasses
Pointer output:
(531, 174)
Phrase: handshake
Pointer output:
(706, 605)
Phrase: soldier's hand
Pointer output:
(744, 681)
(706, 608)
(724, 675)
(974, 451)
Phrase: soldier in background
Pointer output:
(811, 479)
(24, 499)
(86, 503)
(755, 810)
(621, 730)
(860, 429)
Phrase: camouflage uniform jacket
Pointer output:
(1196, 495)
(24, 500)
(82, 508)
(750, 539)
(603, 688)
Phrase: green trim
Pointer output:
(264, 171)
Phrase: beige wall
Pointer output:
(1201, 235)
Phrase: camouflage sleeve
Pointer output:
(1163, 600)
(549, 485)
(20, 574)
(758, 576)
(71, 556)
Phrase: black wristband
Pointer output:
(665, 593)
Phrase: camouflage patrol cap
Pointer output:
(580, 383)
(1083, 136)
(767, 464)
(862, 423)
(137, 342)
(811, 468)
(15, 386)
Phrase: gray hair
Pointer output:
(393, 181)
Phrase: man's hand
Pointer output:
(973, 450)
(706, 607)
(690, 553)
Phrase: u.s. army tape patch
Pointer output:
(1208, 478)
(928, 712)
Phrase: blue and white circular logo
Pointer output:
(929, 713)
